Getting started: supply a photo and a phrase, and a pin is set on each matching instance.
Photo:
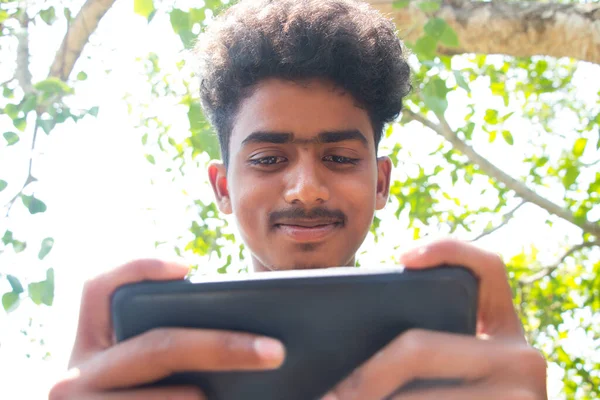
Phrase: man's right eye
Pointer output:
(270, 160)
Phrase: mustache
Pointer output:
(300, 213)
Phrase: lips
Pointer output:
(307, 231)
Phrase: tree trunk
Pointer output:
(515, 29)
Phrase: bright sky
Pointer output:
(96, 183)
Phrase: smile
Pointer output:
(306, 232)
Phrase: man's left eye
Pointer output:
(340, 159)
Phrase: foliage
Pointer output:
(498, 106)
(29, 108)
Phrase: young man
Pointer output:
(299, 93)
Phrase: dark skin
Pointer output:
(303, 199)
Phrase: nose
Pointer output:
(305, 185)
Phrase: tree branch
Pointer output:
(551, 268)
(30, 178)
(521, 29)
(591, 164)
(77, 36)
(22, 73)
(507, 217)
(444, 130)
(6, 82)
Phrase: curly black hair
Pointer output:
(345, 42)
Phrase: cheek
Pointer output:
(250, 199)
(359, 197)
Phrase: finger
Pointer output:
(496, 313)
(69, 388)
(94, 331)
(470, 393)
(171, 393)
(420, 354)
(159, 353)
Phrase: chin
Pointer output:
(292, 259)
(305, 263)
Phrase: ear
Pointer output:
(217, 174)
(384, 172)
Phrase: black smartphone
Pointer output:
(330, 320)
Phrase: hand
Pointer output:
(497, 364)
(103, 369)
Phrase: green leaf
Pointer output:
(571, 175)
(53, 86)
(18, 246)
(46, 124)
(541, 66)
(10, 301)
(143, 7)
(15, 284)
(29, 103)
(33, 204)
(3, 185)
(540, 162)
(435, 27)
(8, 92)
(425, 47)
(94, 111)
(188, 38)
(223, 269)
(507, 116)
(197, 15)
(12, 110)
(449, 38)
(434, 95)
(204, 141)
(398, 4)
(182, 25)
(48, 15)
(498, 88)
(11, 138)
(81, 76)
(429, 6)
(3, 16)
(46, 247)
(7, 238)
(460, 81)
(196, 117)
(43, 292)
(151, 16)
(150, 158)
(491, 116)
(468, 130)
(507, 137)
(20, 123)
(180, 20)
(579, 147)
(492, 136)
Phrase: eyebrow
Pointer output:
(323, 137)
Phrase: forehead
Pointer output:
(303, 109)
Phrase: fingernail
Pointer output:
(269, 348)
(330, 396)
